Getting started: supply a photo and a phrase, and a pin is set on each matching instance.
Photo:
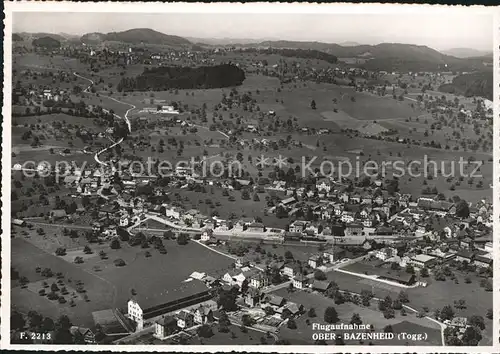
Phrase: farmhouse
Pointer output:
(142, 308)
(297, 226)
(204, 313)
(354, 230)
(323, 184)
(18, 222)
(87, 334)
(185, 319)
(401, 277)
(276, 301)
(484, 262)
(58, 214)
(423, 261)
(300, 282)
(165, 327)
(291, 269)
(259, 280)
(321, 286)
(314, 261)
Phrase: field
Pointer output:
(369, 315)
(26, 257)
(53, 140)
(226, 208)
(343, 147)
(110, 286)
(436, 295)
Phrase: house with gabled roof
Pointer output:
(252, 297)
(323, 184)
(292, 269)
(275, 300)
(185, 319)
(165, 327)
(297, 226)
(259, 280)
(321, 285)
(482, 261)
(314, 261)
(205, 312)
(300, 281)
(86, 333)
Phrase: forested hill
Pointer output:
(297, 53)
(384, 56)
(165, 78)
(136, 36)
(474, 84)
(46, 42)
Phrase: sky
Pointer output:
(439, 31)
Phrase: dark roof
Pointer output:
(301, 278)
(167, 321)
(58, 213)
(353, 207)
(400, 276)
(354, 225)
(434, 205)
(384, 230)
(82, 330)
(321, 285)
(276, 300)
(483, 259)
(184, 315)
(294, 266)
(148, 300)
(292, 234)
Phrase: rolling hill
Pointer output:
(46, 42)
(31, 36)
(16, 37)
(136, 36)
(467, 53)
(385, 56)
(474, 84)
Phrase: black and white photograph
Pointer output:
(249, 176)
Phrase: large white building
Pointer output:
(144, 308)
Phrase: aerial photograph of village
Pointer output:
(251, 179)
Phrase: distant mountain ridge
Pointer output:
(467, 53)
(385, 56)
(136, 36)
(31, 36)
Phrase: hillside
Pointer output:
(385, 56)
(475, 84)
(17, 38)
(46, 42)
(37, 35)
(136, 36)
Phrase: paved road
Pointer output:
(125, 117)
(68, 226)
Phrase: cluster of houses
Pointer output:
(328, 211)
(184, 319)
(479, 254)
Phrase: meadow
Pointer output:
(109, 286)
(435, 295)
(369, 315)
